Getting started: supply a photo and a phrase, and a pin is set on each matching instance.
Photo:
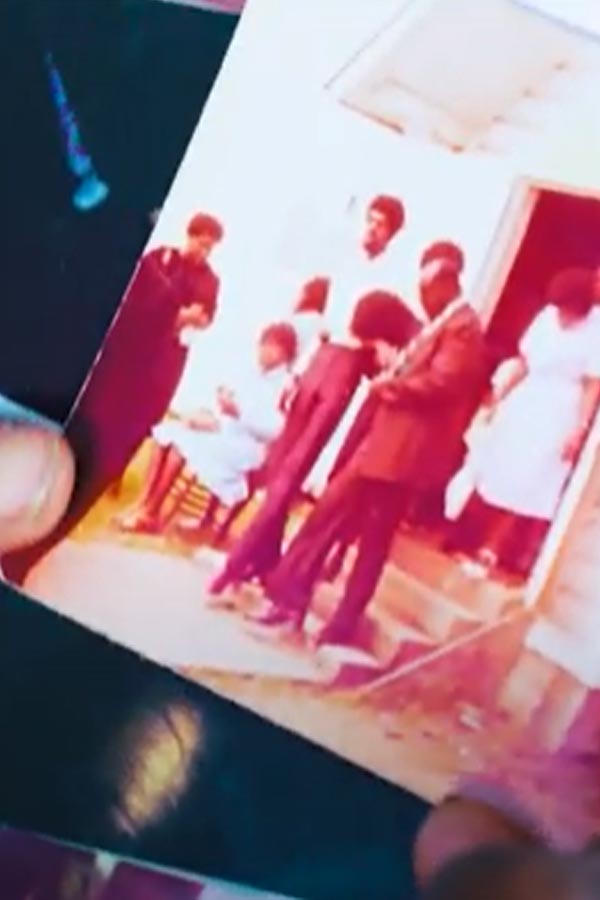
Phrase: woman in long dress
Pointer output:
(541, 413)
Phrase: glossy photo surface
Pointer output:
(339, 452)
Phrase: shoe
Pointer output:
(336, 636)
(137, 523)
(219, 584)
(218, 602)
(272, 616)
(191, 530)
(482, 568)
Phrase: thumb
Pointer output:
(36, 481)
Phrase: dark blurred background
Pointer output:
(98, 746)
(137, 73)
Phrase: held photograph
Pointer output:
(338, 452)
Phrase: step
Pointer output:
(406, 597)
(380, 633)
(404, 610)
(438, 570)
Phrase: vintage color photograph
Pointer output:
(338, 451)
(35, 866)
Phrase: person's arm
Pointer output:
(202, 420)
(199, 310)
(191, 316)
(590, 399)
(441, 378)
(507, 377)
(262, 418)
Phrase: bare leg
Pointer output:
(492, 529)
(193, 527)
(222, 531)
(499, 532)
(166, 463)
(172, 467)
(156, 464)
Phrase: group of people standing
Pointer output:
(429, 373)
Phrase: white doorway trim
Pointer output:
(488, 289)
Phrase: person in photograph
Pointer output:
(142, 361)
(367, 265)
(542, 408)
(322, 396)
(308, 316)
(307, 320)
(442, 264)
(223, 444)
(439, 256)
(419, 400)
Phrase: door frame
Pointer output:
(488, 288)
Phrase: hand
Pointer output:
(192, 316)
(203, 420)
(36, 481)
(573, 447)
(227, 402)
(487, 413)
(287, 398)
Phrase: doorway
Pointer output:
(545, 229)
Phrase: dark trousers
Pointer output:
(365, 508)
(258, 549)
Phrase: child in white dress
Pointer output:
(222, 444)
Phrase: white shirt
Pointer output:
(185, 398)
(309, 327)
(355, 274)
(222, 460)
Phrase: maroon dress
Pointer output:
(138, 369)
(132, 382)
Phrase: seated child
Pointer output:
(223, 444)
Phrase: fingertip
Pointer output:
(460, 826)
(53, 500)
(37, 474)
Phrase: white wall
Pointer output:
(278, 159)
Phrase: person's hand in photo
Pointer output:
(202, 420)
(36, 481)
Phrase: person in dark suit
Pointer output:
(426, 395)
(439, 251)
(322, 396)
